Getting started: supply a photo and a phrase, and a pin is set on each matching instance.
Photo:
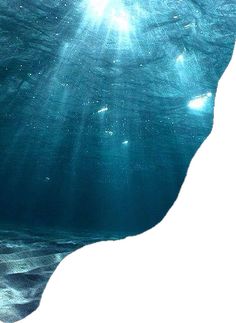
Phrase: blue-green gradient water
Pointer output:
(103, 104)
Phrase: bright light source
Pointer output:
(120, 20)
(98, 7)
(199, 102)
(110, 12)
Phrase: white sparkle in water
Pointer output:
(102, 110)
(180, 58)
(108, 132)
(199, 102)
(125, 142)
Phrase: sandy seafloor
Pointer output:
(27, 261)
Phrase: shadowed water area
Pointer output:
(102, 106)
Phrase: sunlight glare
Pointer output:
(110, 11)
(120, 20)
(199, 102)
(98, 7)
(180, 58)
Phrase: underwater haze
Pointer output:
(103, 104)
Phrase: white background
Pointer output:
(181, 271)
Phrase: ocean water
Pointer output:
(103, 104)
(27, 260)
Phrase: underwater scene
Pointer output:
(103, 104)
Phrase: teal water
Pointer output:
(103, 104)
